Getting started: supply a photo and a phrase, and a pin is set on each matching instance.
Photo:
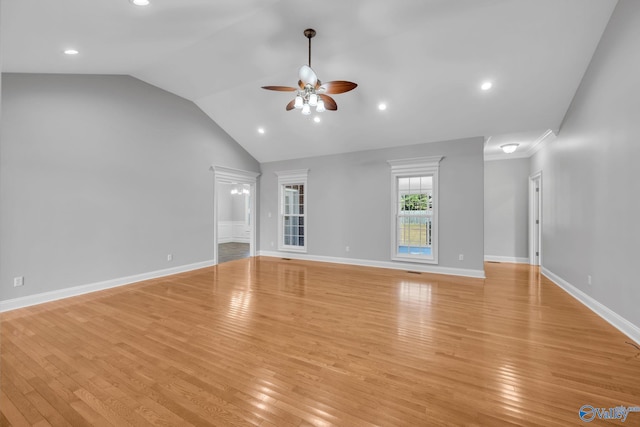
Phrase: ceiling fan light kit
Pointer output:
(311, 92)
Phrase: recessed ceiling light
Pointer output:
(261, 130)
(71, 52)
(140, 2)
(382, 106)
(316, 119)
(486, 86)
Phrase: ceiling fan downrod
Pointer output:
(309, 33)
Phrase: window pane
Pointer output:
(292, 211)
(293, 230)
(414, 211)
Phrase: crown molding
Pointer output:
(544, 139)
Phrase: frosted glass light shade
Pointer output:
(306, 109)
(298, 102)
(509, 148)
(307, 75)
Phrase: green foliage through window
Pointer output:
(416, 202)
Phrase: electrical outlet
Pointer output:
(347, 249)
(461, 257)
(18, 281)
(170, 257)
(589, 279)
(272, 244)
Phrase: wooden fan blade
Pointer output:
(301, 84)
(337, 86)
(280, 88)
(290, 106)
(329, 102)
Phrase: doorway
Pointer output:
(234, 221)
(234, 214)
(535, 219)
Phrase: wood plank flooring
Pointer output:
(270, 342)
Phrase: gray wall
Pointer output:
(231, 207)
(591, 187)
(506, 208)
(349, 202)
(225, 203)
(101, 177)
(238, 207)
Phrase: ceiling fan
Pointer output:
(311, 91)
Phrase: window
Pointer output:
(414, 195)
(292, 224)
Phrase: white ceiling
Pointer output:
(425, 58)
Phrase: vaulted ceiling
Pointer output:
(425, 59)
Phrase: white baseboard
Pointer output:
(29, 300)
(510, 259)
(617, 321)
(423, 268)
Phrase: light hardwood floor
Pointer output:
(270, 342)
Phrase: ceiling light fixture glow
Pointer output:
(509, 148)
(261, 130)
(486, 86)
(140, 2)
(240, 190)
(316, 119)
(382, 106)
(71, 52)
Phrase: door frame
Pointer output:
(225, 175)
(535, 213)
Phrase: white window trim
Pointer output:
(298, 176)
(405, 168)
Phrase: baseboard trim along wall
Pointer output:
(423, 268)
(617, 321)
(510, 259)
(29, 300)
